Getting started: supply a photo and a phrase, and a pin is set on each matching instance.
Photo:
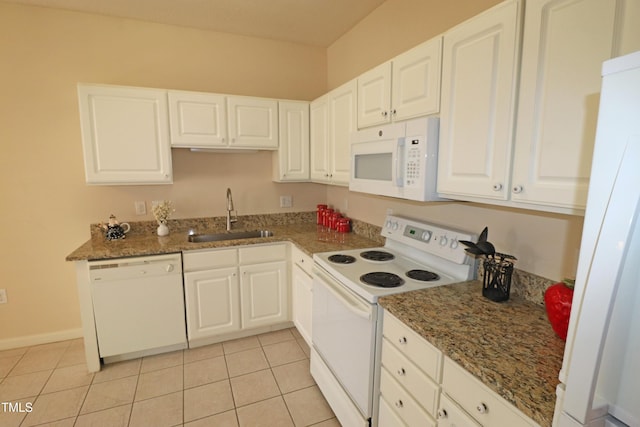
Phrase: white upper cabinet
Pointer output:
(319, 139)
(332, 120)
(125, 135)
(565, 43)
(291, 161)
(209, 120)
(253, 122)
(197, 119)
(479, 77)
(407, 86)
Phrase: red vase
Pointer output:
(557, 300)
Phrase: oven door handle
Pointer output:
(352, 302)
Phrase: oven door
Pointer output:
(344, 334)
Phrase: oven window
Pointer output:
(373, 166)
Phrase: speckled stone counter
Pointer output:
(509, 346)
(298, 228)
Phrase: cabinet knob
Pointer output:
(401, 371)
(385, 113)
(497, 187)
(518, 189)
(169, 268)
(482, 408)
(402, 340)
(399, 404)
(394, 112)
(442, 414)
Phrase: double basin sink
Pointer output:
(229, 235)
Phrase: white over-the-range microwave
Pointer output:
(397, 160)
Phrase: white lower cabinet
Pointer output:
(451, 415)
(302, 298)
(477, 400)
(263, 294)
(421, 386)
(409, 377)
(235, 289)
(212, 302)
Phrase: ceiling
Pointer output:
(311, 22)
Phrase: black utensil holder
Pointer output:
(496, 282)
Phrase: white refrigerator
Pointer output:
(600, 376)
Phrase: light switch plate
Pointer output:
(141, 207)
(3, 296)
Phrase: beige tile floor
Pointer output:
(262, 380)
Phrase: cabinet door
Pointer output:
(125, 135)
(291, 161)
(374, 96)
(565, 43)
(253, 122)
(213, 302)
(416, 81)
(319, 139)
(197, 119)
(479, 76)
(302, 302)
(342, 122)
(264, 294)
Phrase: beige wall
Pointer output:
(46, 206)
(545, 244)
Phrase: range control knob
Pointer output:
(444, 241)
(387, 224)
(394, 225)
(454, 244)
(426, 236)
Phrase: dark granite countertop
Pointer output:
(296, 228)
(509, 346)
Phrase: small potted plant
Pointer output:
(498, 267)
(162, 212)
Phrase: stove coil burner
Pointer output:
(422, 275)
(382, 279)
(342, 259)
(377, 255)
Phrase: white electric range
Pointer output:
(346, 319)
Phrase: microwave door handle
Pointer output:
(398, 177)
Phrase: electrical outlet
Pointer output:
(141, 207)
(3, 296)
(285, 201)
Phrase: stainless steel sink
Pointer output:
(230, 235)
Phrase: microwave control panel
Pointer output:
(413, 163)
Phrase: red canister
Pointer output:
(344, 225)
(326, 217)
(320, 213)
(333, 220)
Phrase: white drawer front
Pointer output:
(451, 415)
(206, 260)
(402, 403)
(413, 346)
(302, 259)
(259, 254)
(478, 400)
(386, 416)
(410, 377)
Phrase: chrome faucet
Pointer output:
(229, 210)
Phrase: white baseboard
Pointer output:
(29, 340)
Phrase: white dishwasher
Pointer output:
(138, 305)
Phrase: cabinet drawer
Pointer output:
(302, 259)
(410, 377)
(451, 415)
(258, 254)
(402, 403)
(204, 260)
(386, 416)
(413, 346)
(478, 400)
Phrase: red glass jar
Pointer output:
(333, 220)
(344, 225)
(320, 213)
(326, 217)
